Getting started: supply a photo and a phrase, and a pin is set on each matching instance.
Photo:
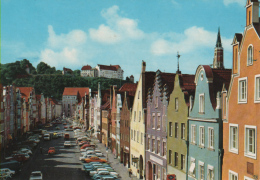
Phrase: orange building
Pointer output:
(240, 128)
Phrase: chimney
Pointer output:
(143, 66)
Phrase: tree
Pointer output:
(76, 72)
(42, 67)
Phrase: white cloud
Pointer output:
(104, 35)
(66, 57)
(240, 2)
(117, 29)
(73, 38)
(194, 38)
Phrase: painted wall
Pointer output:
(177, 144)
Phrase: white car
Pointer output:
(82, 158)
(24, 150)
(99, 153)
(36, 175)
(115, 174)
(92, 173)
(8, 172)
(67, 144)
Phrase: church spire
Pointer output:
(218, 61)
(178, 69)
(218, 43)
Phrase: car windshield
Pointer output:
(36, 174)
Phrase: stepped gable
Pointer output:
(87, 67)
(167, 80)
(25, 92)
(128, 87)
(105, 106)
(148, 83)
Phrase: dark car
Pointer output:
(13, 165)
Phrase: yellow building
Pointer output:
(138, 122)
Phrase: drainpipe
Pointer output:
(220, 154)
(187, 156)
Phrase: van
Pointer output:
(13, 165)
(66, 136)
(47, 136)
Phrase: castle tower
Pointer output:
(218, 54)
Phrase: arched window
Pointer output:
(250, 55)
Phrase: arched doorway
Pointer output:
(141, 161)
(149, 171)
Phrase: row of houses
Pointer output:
(23, 110)
(191, 126)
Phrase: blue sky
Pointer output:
(65, 33)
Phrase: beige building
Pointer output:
(138, 121)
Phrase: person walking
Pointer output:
(130, 172)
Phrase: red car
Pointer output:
(95, 159)
(51, 150)
(17, 157)
(83, 142)
(87, 145)
(76, 128)
(65, 127)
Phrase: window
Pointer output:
(201, 103)
(148, 144)
(158, 121)
(153, 124)
(176, 159)
(242, 90)
(193, 134)
(153, 145)
(134, 115)
(170, 129)
(201, 170)
(164, 149)
(164, 174)
(176, 104)
(134, 134)
(192, 169)
(138, 94)
(210, 172)
(176, 130)
(159, 172)
(142, 135)
(170, 156)
(250, 55)
(250, 141)
(140, 116)
(233, 138)
(137, 136)
(257, 88)
(158, 146)
(182, 130)
(131, 133)
(202, 136)
(233, 175)
(211, 138)
(156, 102)
(183, 162)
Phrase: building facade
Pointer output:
(241, 124)
(138, 123)
(177, 124)
(158, 97)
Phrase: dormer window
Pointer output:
(250, 55)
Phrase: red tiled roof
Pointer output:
(87, 67)
(73, 91)
(67, 69)
(188, 86)
(111, 68)
(25, 92)
(38, 97)
(129, 87)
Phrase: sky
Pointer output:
(66, 33)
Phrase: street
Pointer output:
(64, 164)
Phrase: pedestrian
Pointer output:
(130, 172)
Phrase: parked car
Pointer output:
(24, 150)
(68, 129)
(66, 136)
(4, 175)
(82, 143)
(95, 159)
(88, 145)
(36, 175)
(7, 171)
(51, 150)
(67, 144)
(102, 174)
(17, 157)
(92, 173)
(47, 136)
(57, 128)
(13, 165)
